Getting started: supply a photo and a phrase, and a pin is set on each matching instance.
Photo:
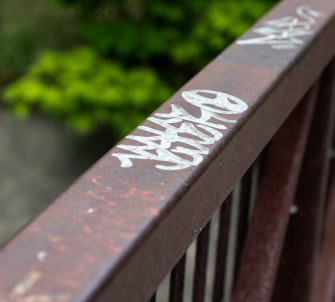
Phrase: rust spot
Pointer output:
(44, 298)
(127, 235)
(55, 238)
(87, 230)
(61, 248)
(90, 258)
(154, 212)
(119, 192)
(34, 228)
(90, 193)
(115, 249)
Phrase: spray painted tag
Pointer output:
(283, 33)
(207, 133)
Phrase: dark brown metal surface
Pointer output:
(324, 289)
(302, 245)
(116, 232)
(199, 283)
(243, 218)
(222, 248)
(177, 280)
(153, 298)
(267, 227)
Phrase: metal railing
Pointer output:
(126, 223)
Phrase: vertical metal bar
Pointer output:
(199, 283)
(325, 283)
(243, 217)
(177, 281)
(153, 298)
(268, 224)
(302, 244)
(222, 246)
(255, 180)
(232, 238)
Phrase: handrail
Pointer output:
(122, 226)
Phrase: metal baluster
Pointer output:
(177, 281)
(199, 283)
(222, 246)
(153, 298)
(302, 244)
(243, 217)
(260, 258)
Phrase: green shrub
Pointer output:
(184, 32)
(136, 54)
(29, 26)
(86, 91)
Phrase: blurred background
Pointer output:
(78, 75)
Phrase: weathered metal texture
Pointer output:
(261, 254)
(324, 289)
(302, 243)
(177, 281)
(116, 232)
(199, 282)
(222, 249)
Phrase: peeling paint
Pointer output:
(26, 284)
(21, 290)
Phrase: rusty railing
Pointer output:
(259, 118)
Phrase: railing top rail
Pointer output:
(129, 218)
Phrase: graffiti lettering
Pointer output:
(205, 131)
(282, 33)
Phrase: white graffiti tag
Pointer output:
(210, 108)
(282, 33)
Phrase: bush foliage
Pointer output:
(27, 26)
(133, 55)
(86, 90)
